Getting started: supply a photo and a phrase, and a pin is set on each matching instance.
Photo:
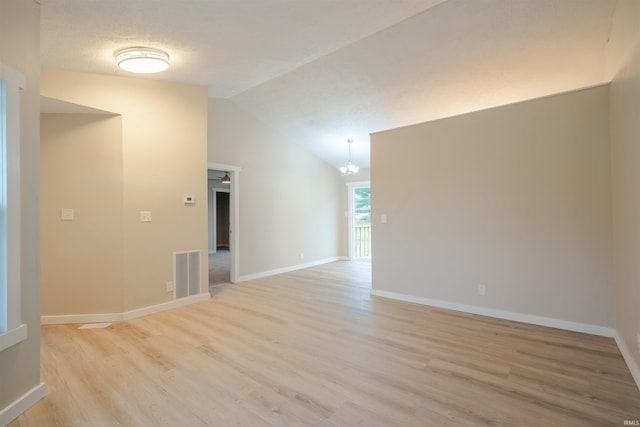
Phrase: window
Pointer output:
(11, 329)
(359, 203)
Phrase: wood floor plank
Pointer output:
(312, 347)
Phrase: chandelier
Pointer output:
(350, 169)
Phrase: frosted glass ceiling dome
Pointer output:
(142, 60)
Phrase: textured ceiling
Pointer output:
(323, 71)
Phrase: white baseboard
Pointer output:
(629, 360)
(127, 315)
(501, 314)
(285, 269)
(13, 336)
(23, 403)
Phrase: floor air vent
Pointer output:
(186, 270)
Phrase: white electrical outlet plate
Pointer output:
(169, 286)
(383, 218)
(145, 216)
(66, 214)
(482, 290)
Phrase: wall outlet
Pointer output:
(301, 255)
(145, 216)
(66, 214)
(482, 290)
(169, 286)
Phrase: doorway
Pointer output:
(223, 243)
(359, 216)
(219, 212)
(222, 219)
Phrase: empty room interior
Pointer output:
(320, 212)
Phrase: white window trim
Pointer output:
(12, 331)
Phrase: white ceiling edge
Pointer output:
(57, 106)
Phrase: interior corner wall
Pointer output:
(81, 169)
(164, 157)
(20, 49)
(623, 60)
(289, 198)
(516, 198)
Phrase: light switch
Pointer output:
(66, 214)
(145, 216)
(383, 218)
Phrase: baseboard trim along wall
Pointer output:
(626, 355)
(119, 317)
(23, 403)
(501, 314)
(287, 269)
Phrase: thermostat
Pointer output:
(189, 199)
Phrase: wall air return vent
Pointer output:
(186, 272)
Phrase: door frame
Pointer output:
(351, 186)
(234, 215)
(211, 218)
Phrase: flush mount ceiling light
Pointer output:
(350, 169)
(144, 60)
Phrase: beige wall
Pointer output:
(164, 156)
(624, 65)
(20, 49)
(289, 199)
(81, 169)
(516, 198)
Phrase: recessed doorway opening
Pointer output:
(359, 220)
(223, 242)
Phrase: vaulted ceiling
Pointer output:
(323, 71)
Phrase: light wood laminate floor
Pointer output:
(312, 347)
(219, 269)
